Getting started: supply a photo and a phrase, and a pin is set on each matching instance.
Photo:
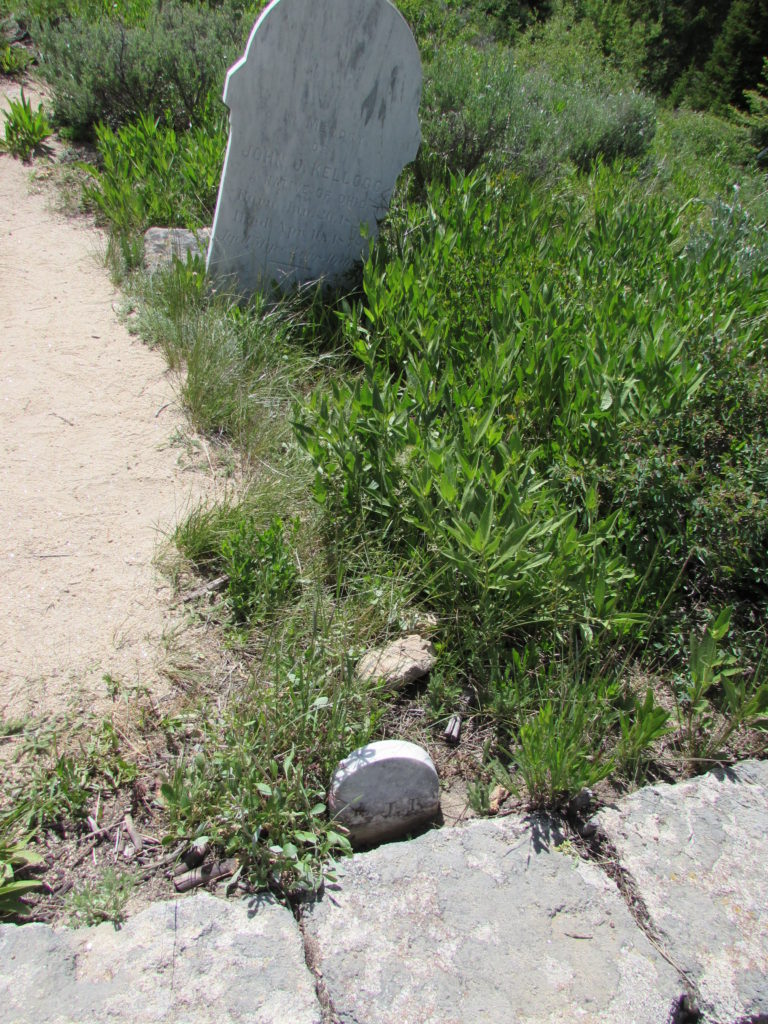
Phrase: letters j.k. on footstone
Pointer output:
(323, 117)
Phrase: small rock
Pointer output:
(579, 804)
(399, 663)
(497, 798)
(384, 790)
(162, 244)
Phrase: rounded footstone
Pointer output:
(384, 790)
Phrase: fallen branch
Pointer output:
(209, 588)
(218, 869)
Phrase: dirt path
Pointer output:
(89, 470)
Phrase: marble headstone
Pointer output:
(323, 117)
(384, 790)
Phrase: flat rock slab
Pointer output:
(484, 923)
(161, 245)
(698, 852)
(194, 961)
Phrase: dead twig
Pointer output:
(93, 840)
(136, 839)
(163, 862)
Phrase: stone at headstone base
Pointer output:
(384, 791)
(399, 663)
(323, 117)
(162, 244)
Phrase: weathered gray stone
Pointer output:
(194, 961)
(698, 852)
(384, 790)
(399, 663)
(484, 923)
(162, 244)
(323, 117)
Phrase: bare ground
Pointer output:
(93, 472)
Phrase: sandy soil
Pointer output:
(91, 469)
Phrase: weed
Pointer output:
(261, 568)
(561, 749)
(641, 726)
(25, 129)
(715, 699)
(15, 857)
(102, 900)
(479, 796)
(256, 784)
(14, 60)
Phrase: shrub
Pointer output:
(466, 107)
(114, 73)
(556, 397)
(479, 107)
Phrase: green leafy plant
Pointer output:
(14, 60)
(641, 726)
(104, 899)
(25, 129)
(261, 568)
(15, 857)
(714, 698)
(150, 175)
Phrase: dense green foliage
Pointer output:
(541, 416)
(150, 174)
(553, 387)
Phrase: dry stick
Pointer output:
(193, 857)
(218, 869)
(130, 828)
(169, 858)
(216, 584)
(93, 839)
